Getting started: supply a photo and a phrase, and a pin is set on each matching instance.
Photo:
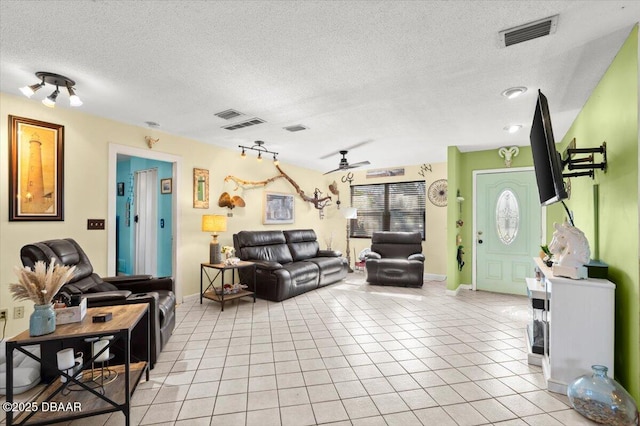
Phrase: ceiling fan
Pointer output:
(344, 164)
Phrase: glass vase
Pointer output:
(602, 399)
(42, 320)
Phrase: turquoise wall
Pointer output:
(126, 235)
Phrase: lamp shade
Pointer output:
(214, 223)
(350, 213)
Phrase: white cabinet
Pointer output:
(580, 326)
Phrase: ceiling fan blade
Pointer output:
(359, 144)
(361, 163)
(335, 170)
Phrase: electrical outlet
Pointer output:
(18, 312)
(3, 314)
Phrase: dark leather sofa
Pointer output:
(288, 263)
(108, 291)
(395, 259)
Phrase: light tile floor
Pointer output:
(349, 354)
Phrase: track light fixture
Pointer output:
(55, 80)
(28, 91)
(258, 146)
(50, 100)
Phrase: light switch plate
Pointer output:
(93, 224)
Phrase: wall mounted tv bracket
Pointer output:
(579, 163)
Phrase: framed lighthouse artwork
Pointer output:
(36, 170)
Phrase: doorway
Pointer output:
(172, 226)
(508, 228)
(145, 222)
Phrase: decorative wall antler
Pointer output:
(151, 141)
(508, 154)
(317, 201)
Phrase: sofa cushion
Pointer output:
(396, 244)
(327, 265)
(265, 245)
(302, 243)
(302, 272)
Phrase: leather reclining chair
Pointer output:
(108, 291)
(395, 259)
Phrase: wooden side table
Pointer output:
(115, 396)
(210, 291)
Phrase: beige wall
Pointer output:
(86, 195)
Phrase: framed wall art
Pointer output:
(200, 188)
(278, 208)
(36, 170)
(120, 189)
(166, 186)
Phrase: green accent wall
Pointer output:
(453, 212)
(611, 115)
(464, 164)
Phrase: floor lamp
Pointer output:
(214, 223)
(349, 213)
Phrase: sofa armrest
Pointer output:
(417, 256)
(102, 298)
(144, 285)
(329, 253)
(126, 278)
(268, 265)
(373, 255)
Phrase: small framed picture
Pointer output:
(200, 188)
(278, 208)
(120, 189)
(166, 186)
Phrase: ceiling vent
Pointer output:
(229, 114)
(526, 32)
(295, 128)
(242, 124)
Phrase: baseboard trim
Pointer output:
(189, 297)
(434, 277)
(457, 290)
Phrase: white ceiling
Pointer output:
(410, 78)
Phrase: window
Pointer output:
(388, 207)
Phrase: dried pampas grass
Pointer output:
(41, 284)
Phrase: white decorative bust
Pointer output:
(570, 248)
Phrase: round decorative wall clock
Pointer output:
(438, 193)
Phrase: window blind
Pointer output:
(398, 206)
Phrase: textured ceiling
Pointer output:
(408, 78)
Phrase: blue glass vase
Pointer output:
(602, 399)
(42, 320)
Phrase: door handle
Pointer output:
(480, 241)
(135, 218)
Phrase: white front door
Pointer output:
(145, 219)
(507, 229)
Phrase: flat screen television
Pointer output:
(546, 159)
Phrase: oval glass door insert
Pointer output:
(507, 216)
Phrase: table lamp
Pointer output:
(349, 214)
(214, 223)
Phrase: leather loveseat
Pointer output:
(288, 263)
(107, 291)
(395, 259)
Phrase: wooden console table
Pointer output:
(85, 401)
